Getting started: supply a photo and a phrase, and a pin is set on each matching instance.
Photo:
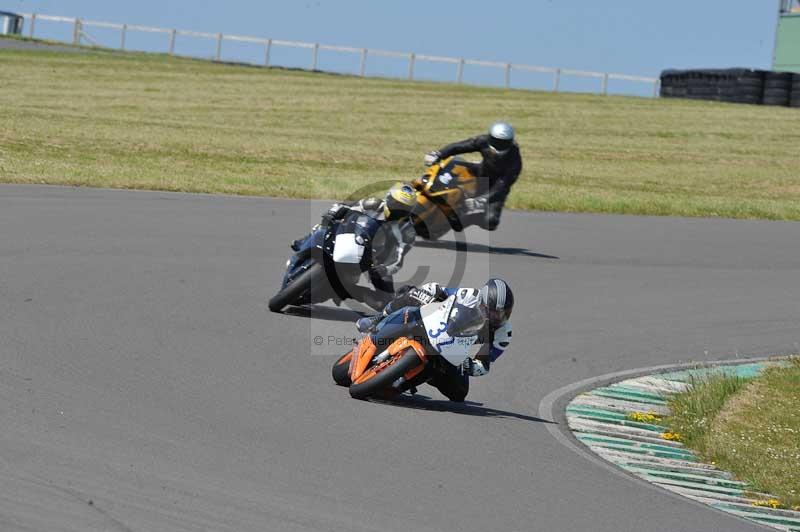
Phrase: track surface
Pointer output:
(15, 44)
(140, 369)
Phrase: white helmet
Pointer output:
(501, 137)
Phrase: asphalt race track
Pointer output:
(144, 385)
(16, 44)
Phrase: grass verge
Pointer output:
(750, 428)
(134, 120)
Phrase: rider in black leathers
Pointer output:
(500, 168)
(387, 234)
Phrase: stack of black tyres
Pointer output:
(673, 84)
(794, 99)
(736, 85)
(703, 85)
(777, 88)
(743, 86)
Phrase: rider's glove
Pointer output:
(333, 214)
(432, 158)
(474, 205)
(380, 270)
(473, 368)
(436, 290)
(421, 296)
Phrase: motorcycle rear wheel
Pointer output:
(297, 288)
(382, 376)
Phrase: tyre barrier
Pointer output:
(794, 100)
(777, 88)
(734, 85)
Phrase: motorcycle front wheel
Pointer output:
(381, 376)
(341, 370)
(297, 288)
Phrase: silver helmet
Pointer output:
(496, 301)
(501, 137)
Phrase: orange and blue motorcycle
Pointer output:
(407, 342)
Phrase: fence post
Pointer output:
(508, 75)
(411, 66)
(460, 71)
(219, 46)
(267, 51)
(314, 56)
(76, 32)
(556, 79)
(656, 85)
(122, 33)
(33, 23)
(605, 84)
(172, 35)
(363, 62)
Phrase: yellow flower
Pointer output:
(644, 417)
(671, 436)
(769, 503)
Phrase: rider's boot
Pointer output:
(367, 324)
(295, 244)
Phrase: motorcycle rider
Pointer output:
(387, 234)
(500, 168)
(494, 300)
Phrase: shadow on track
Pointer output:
(325, 313)
(481, 248)
(467, 408)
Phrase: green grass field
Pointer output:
(751, 428)
(153, 122)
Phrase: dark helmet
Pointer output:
(501, 137)
(496, 301)
(400, 201)
(371, 204)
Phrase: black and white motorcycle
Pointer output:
(326, 260)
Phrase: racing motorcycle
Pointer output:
(404, 344)
(325, 257)
(440, 195)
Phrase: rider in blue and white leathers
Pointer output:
(495, 302)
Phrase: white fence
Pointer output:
(79, 35)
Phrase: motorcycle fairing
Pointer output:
(348, 248)
(436, 318)
(361, 367)
(304, 258)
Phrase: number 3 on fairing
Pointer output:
(438, 333)
(446, 178)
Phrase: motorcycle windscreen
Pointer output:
(464, 321)
(347, 249)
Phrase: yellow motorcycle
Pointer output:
(441, 192)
